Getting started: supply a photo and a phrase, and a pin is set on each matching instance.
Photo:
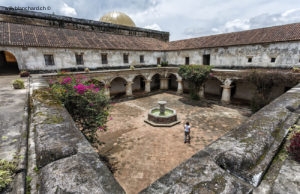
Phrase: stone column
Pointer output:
(147, 86)
(129, 88)
(179, 87)
(226, 94)
(201, 91)
(107, 90)
(163, 83)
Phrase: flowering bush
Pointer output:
(294, 146)
(85, 101)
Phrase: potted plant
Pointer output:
(86, 70)
(132, 67)
(24, 73)
(18, 84)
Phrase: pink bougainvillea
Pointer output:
(80, 88)
(66, 80)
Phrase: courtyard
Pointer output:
(139, 153)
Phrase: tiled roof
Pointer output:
(289, 32)
(12, 34)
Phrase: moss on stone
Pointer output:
(45, 96)
(53, 119)
(6, 173)
(216, 185)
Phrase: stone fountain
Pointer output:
(162, 116)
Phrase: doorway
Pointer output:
(8, 63)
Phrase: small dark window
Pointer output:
(125, 58)
(187, 60)
(249, 59)
(206, 59)
(49, 60)
(79, 59)
(158, 60)
(142, 59)
(104, 58)
(273, 59)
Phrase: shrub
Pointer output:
(6, 172)
(85, 101)
(18, 84)
(164, 63)
(195, 75)
(294, 146)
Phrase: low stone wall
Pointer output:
(61, 159)
(236, 162)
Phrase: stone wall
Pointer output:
(33, 58)
(237, 162)
(61, 160)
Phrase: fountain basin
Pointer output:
(157, 118)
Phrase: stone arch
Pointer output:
(212, 88)
(8, 63)
(155, 81)
(172, 82)
(243, 91)
(138, 84)
(118, 87)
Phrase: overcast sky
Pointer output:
(182, 18)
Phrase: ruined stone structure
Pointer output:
(234, 163)
(41, 42)
(48, 42)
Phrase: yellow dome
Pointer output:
(119, 18)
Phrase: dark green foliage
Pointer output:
(195, 75)
(164, 63)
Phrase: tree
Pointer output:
(195, 75)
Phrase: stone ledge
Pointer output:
(248, 150)
(199, 174)
(65, 160)
(288, 178)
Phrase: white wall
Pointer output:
(33, 58)
(287, 54)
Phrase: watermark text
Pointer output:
(28, 8)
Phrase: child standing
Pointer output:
(187, 129)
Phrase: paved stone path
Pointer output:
(12, 103)
(141, 153)
(13, 124)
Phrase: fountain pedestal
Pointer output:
(162, 116)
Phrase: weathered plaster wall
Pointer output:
(287, 54)
(33, 58)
